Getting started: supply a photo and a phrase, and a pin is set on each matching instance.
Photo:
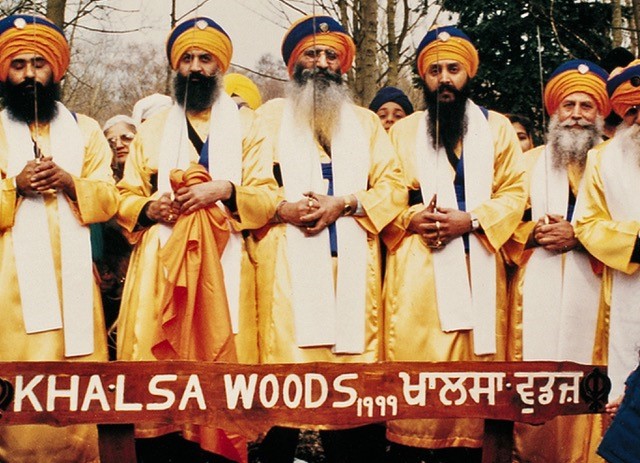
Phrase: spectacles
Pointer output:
(125, 138)
(314, 54)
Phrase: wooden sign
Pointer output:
(251, 398)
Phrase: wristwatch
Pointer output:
(475, 223)
(348, 210)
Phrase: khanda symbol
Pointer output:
(6, 394)
(594, 389)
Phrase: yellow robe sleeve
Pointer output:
(609, 241)
(96, 195)
(500, 215)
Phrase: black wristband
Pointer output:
(231, 203)
(143, 219)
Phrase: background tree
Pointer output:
(506, 35)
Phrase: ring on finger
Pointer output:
(438, 226)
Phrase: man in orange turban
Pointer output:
(319, 264)
(467, 192)
(555, 290)
(56, 180)
(193, 185)
(608, 226)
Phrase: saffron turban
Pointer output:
(317, 30)
(574, 76)
(237, 84)
(393, 94)
(202, 33)
(447, 43)
(33, 34)
(623, 87)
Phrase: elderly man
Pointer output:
(608, 223)
(223, 188)
(462, 165)
(55, 181)
(555, 290)
(119, 132)
(341, 185)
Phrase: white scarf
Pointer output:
(225, 163)
(462, 304)
(620, 173)
(324, 315)
(32, 243)
(560, 291)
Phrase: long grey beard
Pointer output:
(629, 139)
(570, 146)
(320, 111)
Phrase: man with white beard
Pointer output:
(608, 225)
(555, 290)
(318, 267)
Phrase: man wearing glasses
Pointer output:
(318, 266)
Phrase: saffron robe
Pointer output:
(97, 201)
(412, 325)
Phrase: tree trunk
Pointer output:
(393, 47)
(636, 24)
(366, 59)
(55, 11)
(616, 23)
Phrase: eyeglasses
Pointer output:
(314, 54)
(125, 138)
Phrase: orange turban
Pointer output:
(624, 87)
(33, 34)
(203, 33)
(577, 76)
(317, 30)
(447, 43)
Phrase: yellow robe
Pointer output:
(564, 438)
(412, 325)
(142, 294)
(97, 201)
(381, 202)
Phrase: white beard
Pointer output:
(629, 139)
(569, 145)
(318, 105)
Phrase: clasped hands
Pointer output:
(313, 213)
(438, 226)
(41, 175)
(188, 199)
(554, 233)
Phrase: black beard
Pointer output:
(321, 77)
(451, 115)
(19, 100)
(201, 91)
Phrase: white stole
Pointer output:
(32, 243)
(325, 314)
(462, 304)
(225, 163)
(620, 173)
(560, 291)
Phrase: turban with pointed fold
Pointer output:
(577, 75)
(33, 34)
(237, 84)
(317, 30)
(203, 33)
(447, 43)
(623, 87)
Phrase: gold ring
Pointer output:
(310, 203)
(170, 217)
(438, 225)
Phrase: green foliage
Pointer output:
(506, 35)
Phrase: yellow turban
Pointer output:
(623, 87)
(203, 33)
(447, 43)
(237, 84)
(577, 76)
(33, 34)
(317, 30)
